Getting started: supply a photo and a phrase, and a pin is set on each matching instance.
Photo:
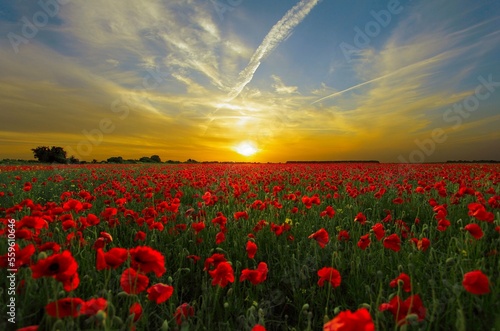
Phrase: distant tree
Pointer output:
(145, 159)
(50, 155)
(191, 161)
(115, 159)
(73, 160)
(155, 158)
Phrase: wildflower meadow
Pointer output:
(333, 246)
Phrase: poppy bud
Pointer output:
(412, 318)
(164, 326)
(42, 255)
(100, 316)
(305, 307)
(261, 313)
(122, 294)
(226, 305)
(365, 305)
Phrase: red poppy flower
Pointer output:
(146, 259)
(307, 201)
(440, 211)
(443, 224)
(404, 279)
(93, 219)
(478, 211)
(27, 187)
(106, 236)
(133, 282)
(475, 230)
(364, 241)
(50, 246)
(329, 211)
(255, 276)
(28, 328)
(360, 320)
(400, 309)
(220, 237)
(277, 229)
(222, 275)
(240, 214)
(62, 267)
(321, 236)
(64, 307)
(183, 312)
(397, 201)
(329, 274)
(160, 292)
(136, 309)
(198, 226)
(422, 244)
(360, 218)
(113, 258)
(379, 231)
(73, 205)
(251, 249)
(220, 219)
(214, 260)
(343, 235)
(32, 222)
(393, 242)
(70, 224)
(258, 327)
(140, 236)
(93, 306)
(476, 282)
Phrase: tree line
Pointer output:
(56, 154)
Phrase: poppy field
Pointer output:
(333, 246)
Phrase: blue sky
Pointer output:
(396, 81)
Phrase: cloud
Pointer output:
(279, 32)
(281, 88)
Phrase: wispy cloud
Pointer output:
(279, 32)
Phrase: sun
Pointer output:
(246, 148)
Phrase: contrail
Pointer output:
(424, 62)
(279, 32)
(354, 87)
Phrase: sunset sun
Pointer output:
(246, 148)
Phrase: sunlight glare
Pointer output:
(246, 148)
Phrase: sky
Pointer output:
(251, 80)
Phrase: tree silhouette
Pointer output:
(155, 158)
(50, 155)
